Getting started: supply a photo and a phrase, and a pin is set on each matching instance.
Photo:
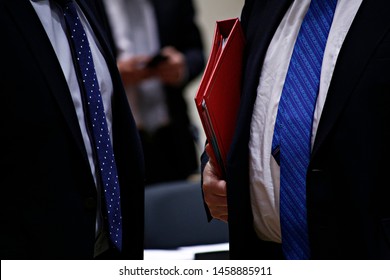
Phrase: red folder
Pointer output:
(218, 96)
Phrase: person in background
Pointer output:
(142, 29)
(54, 204)
(342, 190)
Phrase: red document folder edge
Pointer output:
(218, 96)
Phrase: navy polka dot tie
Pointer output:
(291, 146)
(97, 120)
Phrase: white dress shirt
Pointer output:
(264, 171)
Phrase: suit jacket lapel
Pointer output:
(259, 33)
(369, 27)
(33, 32)
(261, 19)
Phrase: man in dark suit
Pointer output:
(141, 29)
(347, 190)
(51, 207)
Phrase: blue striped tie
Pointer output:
(291, 146)
(96, 120)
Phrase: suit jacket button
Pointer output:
(90, 203)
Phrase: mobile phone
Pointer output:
(156, 60)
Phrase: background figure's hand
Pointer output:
(172, 70)
(133, 70)
(214, 190)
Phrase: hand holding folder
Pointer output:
(218, 96)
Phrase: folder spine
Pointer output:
(211, 135)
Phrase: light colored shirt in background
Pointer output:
(135, 32)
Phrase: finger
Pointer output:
(223, 218)
(220, 213)
(215, 187)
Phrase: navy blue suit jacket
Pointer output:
(48, 201)
(347, 181)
